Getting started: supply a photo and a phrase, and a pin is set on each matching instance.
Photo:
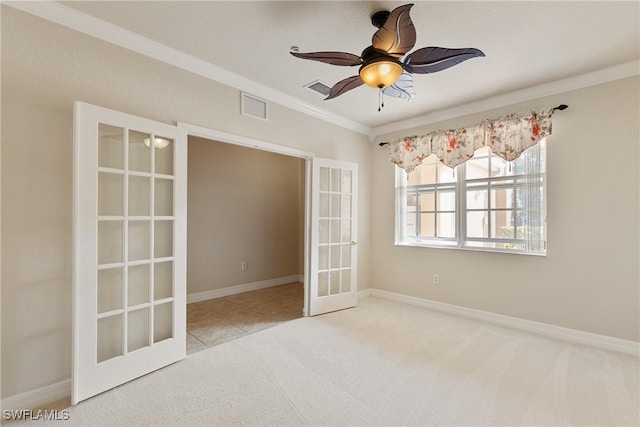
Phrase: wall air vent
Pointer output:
(319, 87)
(254, 106)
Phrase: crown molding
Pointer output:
(87, 24)
(621, 71)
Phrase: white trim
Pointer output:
(38, 397)
(301, 278)
(552, 331)
(617, 72)
(87, 24)
(238, 289)
(243, 141)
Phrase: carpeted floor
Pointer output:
(382, 363)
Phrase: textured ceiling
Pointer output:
(526, 44)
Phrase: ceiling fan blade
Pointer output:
(344, 86)
(333, 58)
(432, 59)
(398, 35)
(402, 88)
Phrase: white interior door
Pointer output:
(334, 236)
(129, 292)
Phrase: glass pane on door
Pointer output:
(109, 337)
(335, 233)
(110, 146)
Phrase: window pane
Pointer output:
(478, 166)
(139, 240)
(164, 155)
(138, 285)
(109, 338)
(138, 329)
(428, 225)
(324, 205)
(139, 153)
(446, 201)
(336, 180)
(163, 280)
(412, 177)
(139, 196)
(501, 167)
(163, 197)
(346, 181)
(323, 257)
(477, 198)
(110, 246)
(411, 225)
(109, 289)
(324, 179)
(324, 231)
(501, 197)
(447, 225)
(427, 174)
(346, 230)
(162, 322)
(428, 201)
(110, 191)
(335, 206)
(502, 224)
(445, 173)
(477, 224)
(110, 143)
(163, 239)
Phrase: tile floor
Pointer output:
(224, 319)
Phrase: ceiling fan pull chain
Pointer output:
(380, 100)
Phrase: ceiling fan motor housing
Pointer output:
(379, 69)
(379, 18)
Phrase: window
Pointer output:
(485, 203)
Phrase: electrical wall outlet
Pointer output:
(436, 279)
(244, 265)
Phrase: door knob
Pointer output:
(353, 243)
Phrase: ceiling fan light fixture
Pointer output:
(381, 72)
(157, 142)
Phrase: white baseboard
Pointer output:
(238, 289)
(559, 332)
(364, 293)
(41, 396)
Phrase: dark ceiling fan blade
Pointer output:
(344, 86)
(432, 59)
(402, 88)
(333, 58)
(398, 35)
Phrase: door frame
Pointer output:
(243, 141)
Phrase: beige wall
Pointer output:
(45, 68)
(589, 280)
(243, 205)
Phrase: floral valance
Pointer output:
(508, 137)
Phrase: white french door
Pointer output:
(334, 229)
(129, 291)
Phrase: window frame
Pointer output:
(461, 185)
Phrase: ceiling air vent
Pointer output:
(319, 87)
(254, 107)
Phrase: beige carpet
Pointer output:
(382, 363)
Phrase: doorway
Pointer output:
(245, 241)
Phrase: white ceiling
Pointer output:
(526, 44)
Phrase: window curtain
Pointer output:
(508, 136)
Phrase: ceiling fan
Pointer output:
(380, 65)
